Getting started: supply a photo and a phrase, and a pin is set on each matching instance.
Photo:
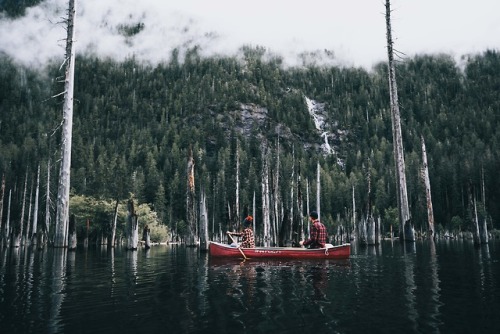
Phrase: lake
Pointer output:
(445, 287)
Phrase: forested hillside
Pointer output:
(134, 126)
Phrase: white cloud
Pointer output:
(354, 30)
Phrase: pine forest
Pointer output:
(136, 128)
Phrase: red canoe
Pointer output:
(216, 249)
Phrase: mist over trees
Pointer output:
(134, 125)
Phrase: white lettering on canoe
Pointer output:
(268, 251)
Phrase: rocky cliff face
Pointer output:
(253, 120)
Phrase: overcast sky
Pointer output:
(353, 29)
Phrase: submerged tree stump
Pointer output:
(132, 227)
(72, 233)
(146, 237)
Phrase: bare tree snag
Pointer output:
(190, 202)
(300, 209)
(132, 226)
(146, 237)
(33, 237)
(113, 227)
(17, 238)
(203, 222)
(427, 182)
(72, 233)
(407, 233)
(318, 192)
(62, 216)
(3, 232)
(354, 223)
(44, 236)
(265, 197)
(7, 222)
(237, 205)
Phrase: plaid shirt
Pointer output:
(247, 238)
(318, 235)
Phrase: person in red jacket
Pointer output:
(318, 233)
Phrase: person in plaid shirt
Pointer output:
(247, 237)
(318, 233)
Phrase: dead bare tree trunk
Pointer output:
(483, 226)
(27, 237)
(407, 233)
(292, 202)
(17, 238)
(318, 192)
(87, 230)
(265, 197)
(237, 205)
(203, 222)
(427, 182)
(44, 236)
(35, 210)
(300, 208)
(308, 233)
(276, 196)
(370, 230)
(132, 226)
(113, 228)
(253, 214)
(190, 202)
(72, 233)
(2, 227)
(62, 216)
(7, 222)
(354, 223)
(475, 222)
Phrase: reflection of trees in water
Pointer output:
(266, 296)
(131, 271)
(486, 276)
(435, 289)
(57, 287)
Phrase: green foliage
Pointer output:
(456, 224)
(16, 8)
(391, 218)
(100, 214)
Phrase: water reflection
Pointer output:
(427, 288)
(435, 290)
(57, 287)
(410, 287)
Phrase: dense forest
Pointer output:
(135, 125)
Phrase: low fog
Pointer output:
(348, 33)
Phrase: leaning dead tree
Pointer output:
(113, 227)
(427, 182)
(406, 229)
(62, 216)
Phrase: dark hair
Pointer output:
(313, 215)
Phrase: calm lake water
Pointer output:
(449, 287)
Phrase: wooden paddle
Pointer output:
(239, 248)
